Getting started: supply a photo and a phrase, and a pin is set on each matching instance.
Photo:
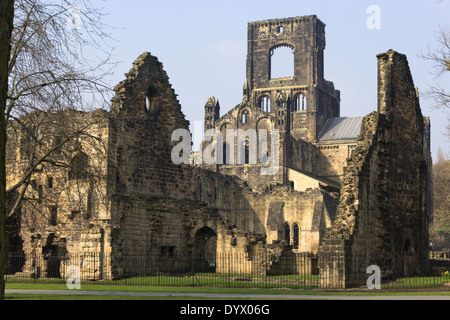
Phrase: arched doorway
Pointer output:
(54, 253)
(205, 247)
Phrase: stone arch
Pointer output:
(300, 102)
(205, 248)
(284, 44)
(296, 236)
(152, 104)
(244, 116)
(53, 254)
(278, 55)
(264, 102)
(224, 127)
(287, 233)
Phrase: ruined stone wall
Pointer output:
(144, 114)
(299, 127)
(239, 153)
(160, 209)
(239, 251)
(145, 186)
(139, 208)
(332, 159)
(306, 37)
(408, 180)
(251, 174)
(382, 218)
(149, 211)
(302, 33)
(248, 254)
(303, 155)
(280, 207)
(297, 106)
(146, 210)
(65, 198)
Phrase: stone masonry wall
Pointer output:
(382, 218)
(65, 205)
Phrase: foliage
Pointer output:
(440, 227)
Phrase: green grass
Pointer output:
(169, 289)
(206, 283)
(32, 297)
(239, 281)
(203, 280)
(118, 288)
(417, 282)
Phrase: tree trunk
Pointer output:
(6, 25)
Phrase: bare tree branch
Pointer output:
(440, 59)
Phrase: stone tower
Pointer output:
(303, 102)
(212, 113)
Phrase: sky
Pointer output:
(203, 46)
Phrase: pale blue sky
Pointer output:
(203, 46)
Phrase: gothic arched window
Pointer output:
(245, 117)
(264, 103)
(301, 102)
(296, 236)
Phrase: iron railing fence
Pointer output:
(305, 271)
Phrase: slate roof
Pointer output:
(344, 128)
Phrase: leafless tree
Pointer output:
(6, 26)
(440, 58)
(50, 74)
(440, 230)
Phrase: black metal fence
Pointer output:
(295, 271)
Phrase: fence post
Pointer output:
(35, 267)
(191, 264)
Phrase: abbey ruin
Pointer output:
(356, 189)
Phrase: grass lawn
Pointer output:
(231, 284)
(203, 280)
(178, 290)
(51, 297)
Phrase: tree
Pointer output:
(6, 26)
(440, 58)
(47, 75)
(440, 231)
